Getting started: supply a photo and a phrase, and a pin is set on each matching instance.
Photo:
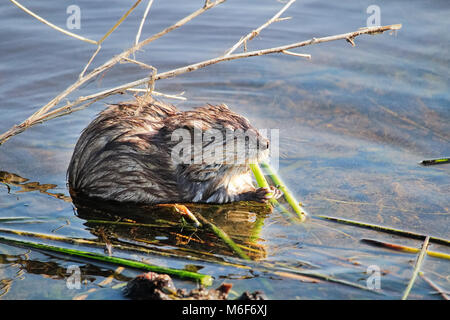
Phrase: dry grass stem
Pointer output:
(119, 22)
(139, 63)
(151, 82)
(51, 25)
(438, 289)
(44, 113)
(202, 64)
(165, 95)
(255, 32)
(302, 55)
(89, 62)
(30, 121)
(417, 267)
(147, 9)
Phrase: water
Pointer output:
(354, 123)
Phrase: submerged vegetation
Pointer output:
(200, 239)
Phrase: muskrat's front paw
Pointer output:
(265, 194)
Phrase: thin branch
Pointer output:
(30, 121)
(106, 35)
(302, 55)
(147, 9)
(90, 61)
(175, 72)
(255, 32)
(417, 267)
(119, 22)
(151, 82)
(171, 73)
(434, 286)
(202, 64)
(34, 15)
(178, 24)
(139, 63)
(165, 95)
(282, 19)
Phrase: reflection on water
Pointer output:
(354, 123)
(15, 180)
(162, 227)
(284, 253)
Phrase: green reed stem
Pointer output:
(435, 161)
(301, 213)
(222, 235)
(391, 230)
(262, 183)
(205, 280)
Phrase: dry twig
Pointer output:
(44, 113)
(51, 25)
(417, 267)
(147, 9)
(255, 32)
(40, 115)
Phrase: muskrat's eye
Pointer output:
(268, 144)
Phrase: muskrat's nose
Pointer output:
(268, 144)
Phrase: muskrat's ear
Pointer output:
(225, 106)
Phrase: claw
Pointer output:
(264, 194)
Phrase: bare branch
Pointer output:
(51, 25)
(165, 95)
(44, 113)
(147, 9)
(302, 55)
(30, 121)
(151, 82)
(255, 32)
(196, 66)
(139, 63)
(89, 62)
(119, 22)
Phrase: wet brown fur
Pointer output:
(125, 155)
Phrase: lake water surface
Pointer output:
(354, 122)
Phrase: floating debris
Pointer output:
(154, 286)
(435, 161)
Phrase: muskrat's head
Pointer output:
(219, 136)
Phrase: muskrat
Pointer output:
(129, 154)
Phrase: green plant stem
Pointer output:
(301, 213)
(416, 268)
(205, 280)
(435, 161)
(262, 183)
(391, 230)
(222, 235)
